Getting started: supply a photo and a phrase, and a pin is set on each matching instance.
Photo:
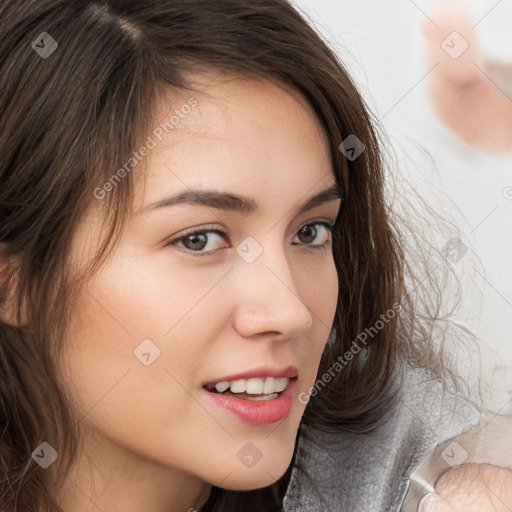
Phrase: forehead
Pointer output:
(237, 132)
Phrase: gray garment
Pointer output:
(371, 473)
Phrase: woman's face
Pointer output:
(160, 321)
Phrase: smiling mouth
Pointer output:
(254, 389)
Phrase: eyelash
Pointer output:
(328, 225)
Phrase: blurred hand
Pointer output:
(471, 488)
(464, 95)
(453, 44)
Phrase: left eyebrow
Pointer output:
(233, 202)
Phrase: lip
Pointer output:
(262, 371)
(256, 412)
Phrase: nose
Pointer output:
(269, 301)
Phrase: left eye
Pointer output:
(197, 241)
(309, 231)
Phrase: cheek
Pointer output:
(134, 301)
(148, 296)
(130, 302)
(116, 394)
(119, 327)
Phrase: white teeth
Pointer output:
(273, 396)
(222, 386)
(268, 387)
(280, 384)
(253, 386)
(237, 386)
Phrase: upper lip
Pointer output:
(261, 372)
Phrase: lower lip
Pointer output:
(263, 412)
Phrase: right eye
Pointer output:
(196, 241)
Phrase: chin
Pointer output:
(259, 476)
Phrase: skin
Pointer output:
(469, 94)
(471, 488)
(152, 441)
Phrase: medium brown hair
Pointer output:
(68, 121)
